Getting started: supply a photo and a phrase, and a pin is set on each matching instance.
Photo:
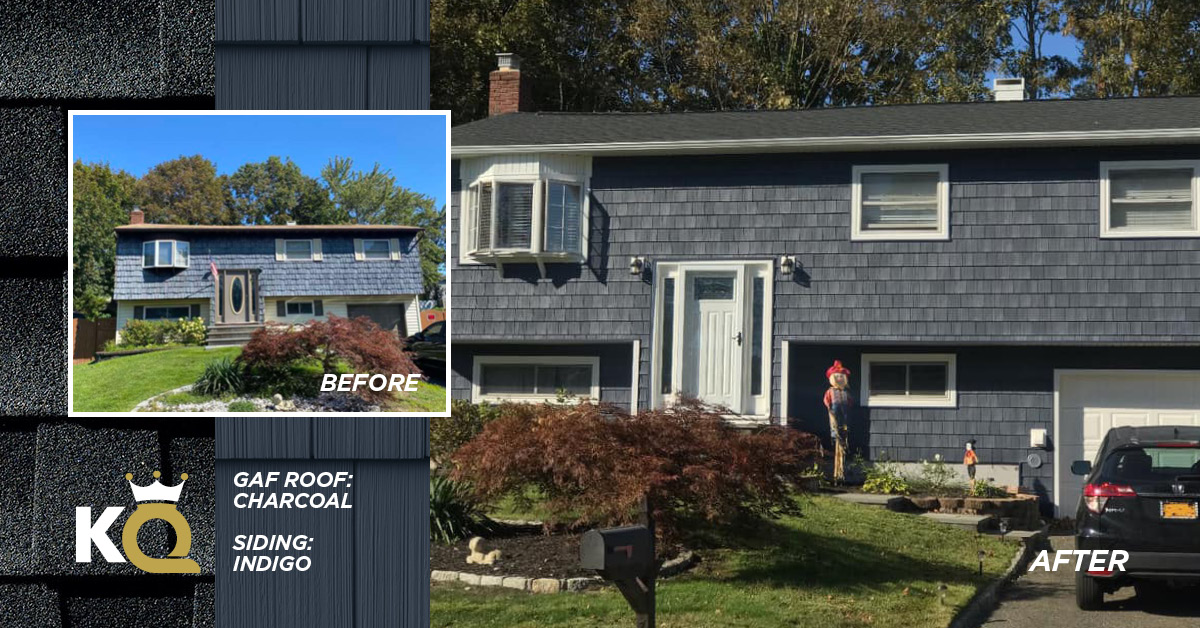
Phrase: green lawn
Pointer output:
(837, 565)
(119, 384)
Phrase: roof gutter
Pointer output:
(846, 143)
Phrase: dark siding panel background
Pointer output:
(285, 77)
(318, 52)
(370, 563)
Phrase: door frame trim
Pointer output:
(1058, 381)
(746, 269)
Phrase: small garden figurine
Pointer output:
(838, 402)
(971, 459)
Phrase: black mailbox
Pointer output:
(618, 553)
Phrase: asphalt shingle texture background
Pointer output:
(57, 55)
(52, 466)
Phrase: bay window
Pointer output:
(165, 254)
(525, 217)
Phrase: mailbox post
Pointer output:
(626, 557)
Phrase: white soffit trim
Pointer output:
(846, 143)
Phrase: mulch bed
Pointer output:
(522, 553)
(529, 554)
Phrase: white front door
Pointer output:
(715, 300)
(1090, 403)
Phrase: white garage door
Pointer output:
(1092, 402)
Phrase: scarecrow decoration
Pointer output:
(970, 459)
(838, 402)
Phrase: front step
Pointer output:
(234, 335)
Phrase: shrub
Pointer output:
(243, 406)
(884, 478)
(141, 333)
(219, 377)
(185, 331)
(466, 421)
(983, 488)
(936, 478)
(593, 463)
(275, 351)
(453, 512)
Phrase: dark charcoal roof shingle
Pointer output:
(930, 119)
(33, 342)
(29, 605)
(33, 182)
(110, 49)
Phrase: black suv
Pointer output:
(1142, 496)
(428, 347)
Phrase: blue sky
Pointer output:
(412, 147)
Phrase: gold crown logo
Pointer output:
(156, 491)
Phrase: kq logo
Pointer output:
(155, 501)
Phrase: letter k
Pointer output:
(87, 533)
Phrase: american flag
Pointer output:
(213, 267)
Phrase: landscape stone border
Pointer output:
(980, 607)
(681, 563)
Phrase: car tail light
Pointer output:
(1096, 495)
(1100, 573)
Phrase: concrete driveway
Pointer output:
(1048, 599)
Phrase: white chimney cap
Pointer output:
(508, 61)
(1008, 88)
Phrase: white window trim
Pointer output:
(468, 220)
(311, 304)
(949, 400)
(174, 254)
(558, 360)
(312, 250)
(1106, 231)
(943, 199)
(360, 253)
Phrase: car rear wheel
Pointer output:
(1089, 595)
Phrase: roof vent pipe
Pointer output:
(1009, 88)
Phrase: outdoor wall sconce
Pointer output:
(787, 265)
(637, 265)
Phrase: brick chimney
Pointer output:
(507, 92)
(137, 217)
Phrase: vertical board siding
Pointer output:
(390, 37)
(398, 77)
(358, 20)
(392, 545)
(371, 562)
(258, 20)
(284, 77)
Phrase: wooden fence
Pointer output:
(90, 336)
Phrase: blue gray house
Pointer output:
(1025, 274)
(267, 274)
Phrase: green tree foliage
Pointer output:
(103, 199)
(1137, 47)
(649, 55)
(277, 192)
(373, 197)
(185, 191)
(1045, 76)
